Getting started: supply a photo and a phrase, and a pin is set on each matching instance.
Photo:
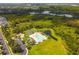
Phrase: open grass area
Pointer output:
(49, 47)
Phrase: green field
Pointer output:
(49, 47)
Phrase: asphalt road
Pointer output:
(3, 43)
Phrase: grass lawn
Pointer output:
(49, 47)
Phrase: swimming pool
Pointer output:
(38, 37)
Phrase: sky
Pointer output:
(39, 1)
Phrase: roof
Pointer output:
(3, 21)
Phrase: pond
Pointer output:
(48, 32)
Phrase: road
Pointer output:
(7, 48)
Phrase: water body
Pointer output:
(52, 14)
(34, 12)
